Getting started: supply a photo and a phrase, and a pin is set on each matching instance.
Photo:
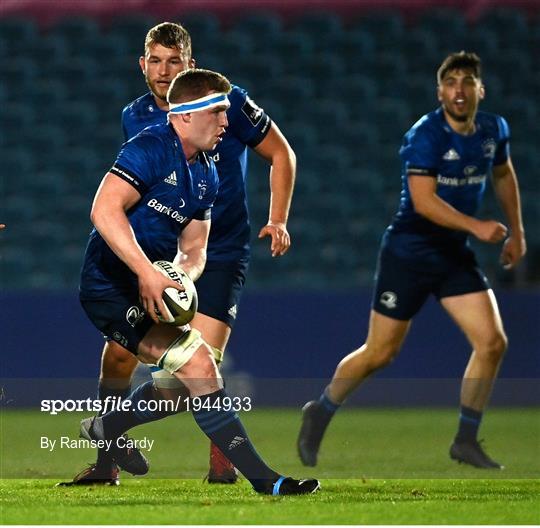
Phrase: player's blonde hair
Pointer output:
(169, 35)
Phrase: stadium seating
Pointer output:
(202, 26)
(17, 35)
(318, 25)
(110, 48)
(16, 266)
(505, 21)
(131, 27)
(292, 45)
(386, 28)
(484, 42)
(344, 91)
(259, 66)
(77, 32)
(449, 24)
(264, 30)
(351, 45)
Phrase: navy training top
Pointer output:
(173, 192)
(248, 126)
(461, 164)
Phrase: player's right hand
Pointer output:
(490, 231)
(281, 239)
(514, 248)
(152, 284)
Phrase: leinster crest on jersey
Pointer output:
(489, 147)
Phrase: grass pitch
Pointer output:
(376, 467)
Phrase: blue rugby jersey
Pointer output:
(461, 165)
(173, 192)
(248, 126)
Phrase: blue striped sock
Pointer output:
(226, 431)
(104, 457)
(117, 394)
(328, 407)
(118, 422)
(469, 422)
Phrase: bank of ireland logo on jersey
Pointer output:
(388, 299)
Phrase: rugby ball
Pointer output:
(181, 305)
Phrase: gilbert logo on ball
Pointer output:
(181, 306)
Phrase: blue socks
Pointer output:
(104, 457)
(117, 394)
(226, 431)
(221, 424)
(469, 422)
(327, 406)
(117, 422)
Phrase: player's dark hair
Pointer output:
(460, 61)
(193, 84)
(169, 35)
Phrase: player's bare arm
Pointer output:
(507, 190)
(113, 198)
(428, 204)
(191, 256)
(275, 149)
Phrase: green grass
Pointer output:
(376, 467)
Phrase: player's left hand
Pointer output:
(514, 248)
(281, 240)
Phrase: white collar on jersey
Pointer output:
(203, 103)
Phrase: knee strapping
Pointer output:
(218, 354)
(164, 380)
(180, 351)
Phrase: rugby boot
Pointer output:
(95, 475)
(129, 459)
(290, 486)
(471, 452)
(221, 471)
(311, 433)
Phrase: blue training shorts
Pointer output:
(403, 286)
(120, 317)
(219, 289)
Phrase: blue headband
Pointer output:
(208, 101)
